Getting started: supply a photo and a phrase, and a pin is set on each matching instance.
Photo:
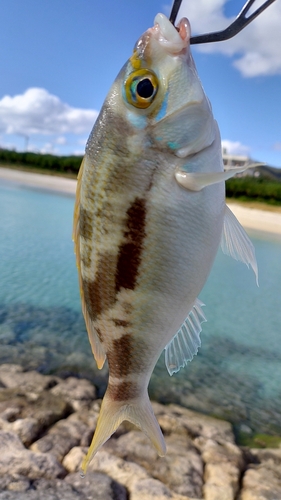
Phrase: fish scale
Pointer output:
(149, 216)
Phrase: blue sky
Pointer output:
(58, 60)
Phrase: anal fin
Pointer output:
(236, 243)
(184, 345)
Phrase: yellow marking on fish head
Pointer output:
(135, 60)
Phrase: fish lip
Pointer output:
(173, 39)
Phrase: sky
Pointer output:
(58, 60)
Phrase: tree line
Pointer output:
(243, 188)
(254, 189)
(62, 164)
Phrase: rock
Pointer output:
(73, 460)
(15, 459)
(18, 484)
(26, 428)
(262, 482)
(78, 392)
(181, 469)
(134, 477)
(221, 482)
(45, 490)
(15, 482)
(150, 489)
(173, 418)
(12, 376)
(97, 486)
(223, 465)
(10, 368)
(59, 440)
(272, 455)
(45, 407)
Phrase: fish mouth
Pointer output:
(173, 39)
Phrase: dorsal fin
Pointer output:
(184, 345)
(236, 243)
(97, 348)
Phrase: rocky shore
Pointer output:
(46, 425)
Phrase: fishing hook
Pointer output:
(238, 24)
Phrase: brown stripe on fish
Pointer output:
(123, 391)
(85, 223)
(121, 322)
(126, 355)
(86, 252)
(129, 256)
(100, 293)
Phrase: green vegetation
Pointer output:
(258, 440)
(42, 162)
(254, 189)
(266, 188)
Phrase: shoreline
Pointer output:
(254, 219)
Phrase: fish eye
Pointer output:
(145, 88)
(141, 87)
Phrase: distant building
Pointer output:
(230, 160)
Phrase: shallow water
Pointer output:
(236, 374)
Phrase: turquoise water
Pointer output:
(237, 372)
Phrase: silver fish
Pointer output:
(149, 217)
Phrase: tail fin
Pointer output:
(112, 413)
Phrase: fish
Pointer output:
(149, 217)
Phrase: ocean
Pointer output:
(237, 372)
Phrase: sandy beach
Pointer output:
(251, 218)
(39, 181)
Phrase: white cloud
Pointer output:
(36, 111)
(256, 48)
(61, 140)
(235, 148)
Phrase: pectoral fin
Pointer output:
(236, 243)
(184, 345)
(195, 181)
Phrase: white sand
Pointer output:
(250, 218)
(48, 182)
(256, 219)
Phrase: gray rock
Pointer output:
(134, 477)
(15, 459)
(181, 469)
(73, 460)
(78, 392)
(32, 381)
(150, 489)
(44, 407)
(14, 482)
(60, 438)
(272, 455)
(262, 482)
(18, 484)
(26, 428)
(64, 492)
(174, 418)
(10, 368)
(94, 486)
(97, 486)
(223, 465)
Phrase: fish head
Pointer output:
(162, 92)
